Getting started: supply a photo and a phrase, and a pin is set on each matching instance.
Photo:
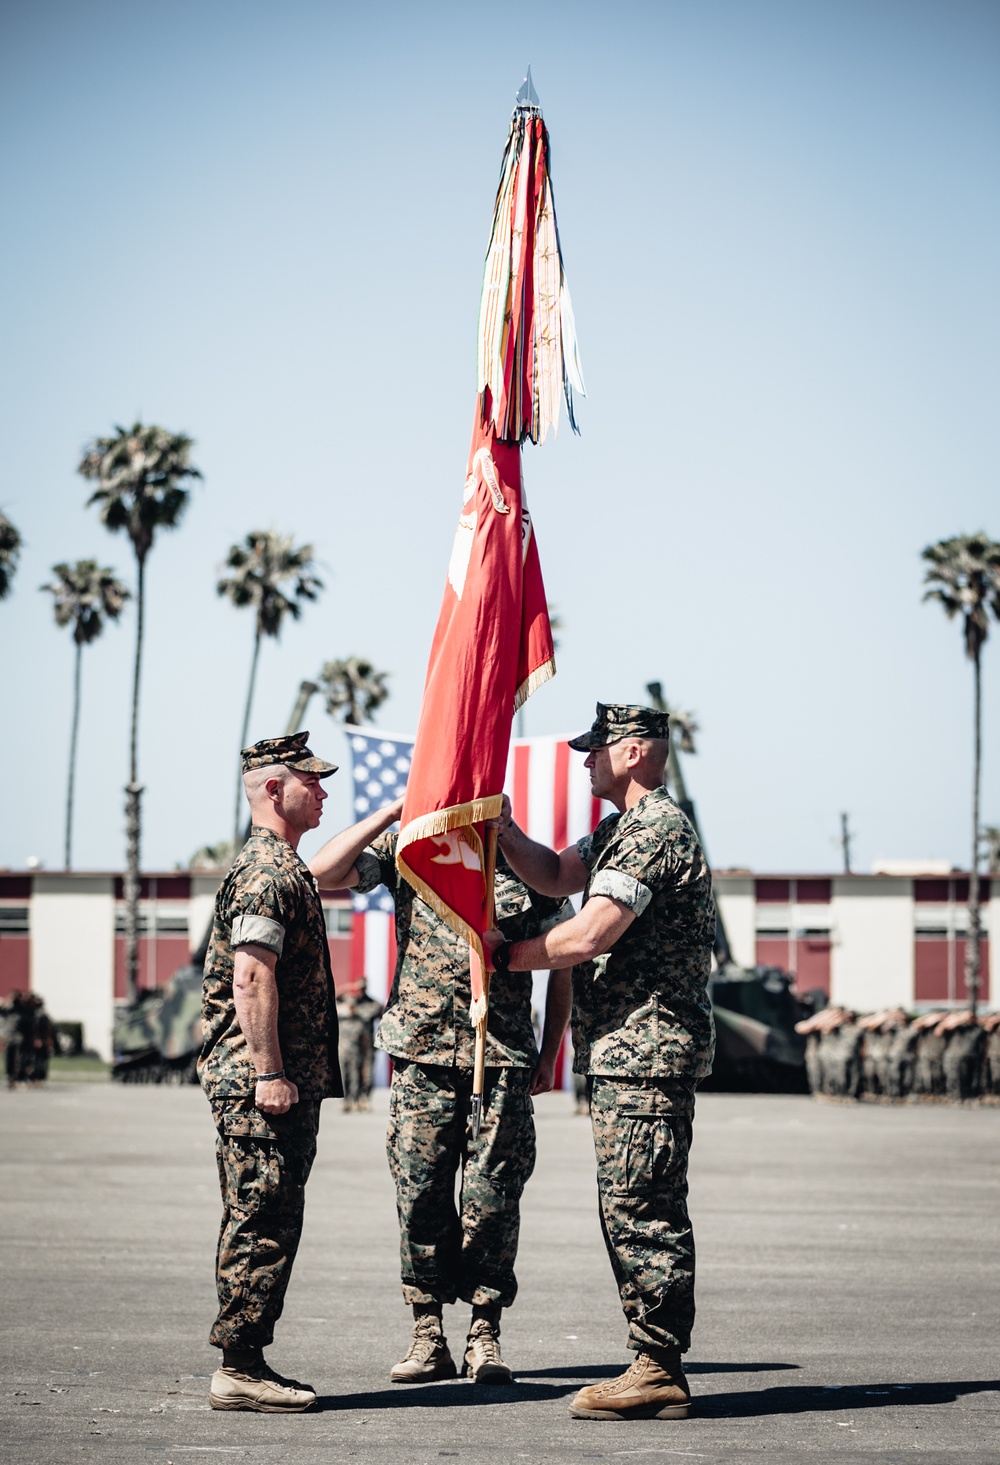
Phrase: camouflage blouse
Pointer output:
(643, 1009)
(426, 1018)
(270, 898)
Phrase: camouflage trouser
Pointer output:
(642, 1135)
(468, 1253)
(264, 1163)
(352, 1071)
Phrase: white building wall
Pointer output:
(872, 957)
(735, 895)
(73, 952)
(200, 906)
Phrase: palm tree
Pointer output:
(964, 575)
(141, 475)
(353, 688)
(10, 549)
(261, 565)
(86, 595)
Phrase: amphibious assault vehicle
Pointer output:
(757, 1049)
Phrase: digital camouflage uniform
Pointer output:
(468, 1252)
(642, 1030)
(351, 1048)
(357, 1013)
(269, 898)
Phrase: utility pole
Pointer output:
(845, 843)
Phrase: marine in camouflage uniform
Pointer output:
(642, 1032)
(268, 930)
(351, 1049)
(450, 1252)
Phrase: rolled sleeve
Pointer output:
(619, 886)
(369, 872)
(260, 931)
(585, 849)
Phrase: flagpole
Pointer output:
(479, 1069)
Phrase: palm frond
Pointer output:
(963, 574)
(141, 475)
(10, 552)
(272, 574)
(354, 689)
(85, 596)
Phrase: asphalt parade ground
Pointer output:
(849, 1293)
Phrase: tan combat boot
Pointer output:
(483, 1364)
(653, 1387)
(428, 1357)
(258, 1388)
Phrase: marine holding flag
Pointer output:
(492, 648)
(641, 950)
(450, 1252)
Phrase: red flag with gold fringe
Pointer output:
(493, 643)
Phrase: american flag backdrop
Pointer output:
(550, 792)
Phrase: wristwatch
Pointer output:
(501, 957)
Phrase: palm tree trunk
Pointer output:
(243, 739)
(68, 853)
(133, 795)
(972, 938)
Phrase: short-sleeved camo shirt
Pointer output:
(643, 1008)
(426, 1018)
(270, 898)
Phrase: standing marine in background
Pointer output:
(357, 1013)
(641, 951)
(465, 1252)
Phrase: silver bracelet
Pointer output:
(267, 1077)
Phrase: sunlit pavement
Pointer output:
(849, 1292)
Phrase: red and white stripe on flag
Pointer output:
(549, 789)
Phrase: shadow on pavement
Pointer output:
(795, 1399)
(803, 1399)
(442, 1396)
(612, 1370)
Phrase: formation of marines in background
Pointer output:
(891, 1055)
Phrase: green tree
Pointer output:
(10, 550)
(264, 563)
(141, 475)
(964, 576)
(85, 596)
(354, 690)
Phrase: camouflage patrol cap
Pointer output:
(291, 751)
(617, 720)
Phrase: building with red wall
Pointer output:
(63, 936)
(866, 941)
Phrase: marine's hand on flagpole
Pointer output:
(504, 820)
(491, 940)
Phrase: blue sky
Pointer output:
(265, 225)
